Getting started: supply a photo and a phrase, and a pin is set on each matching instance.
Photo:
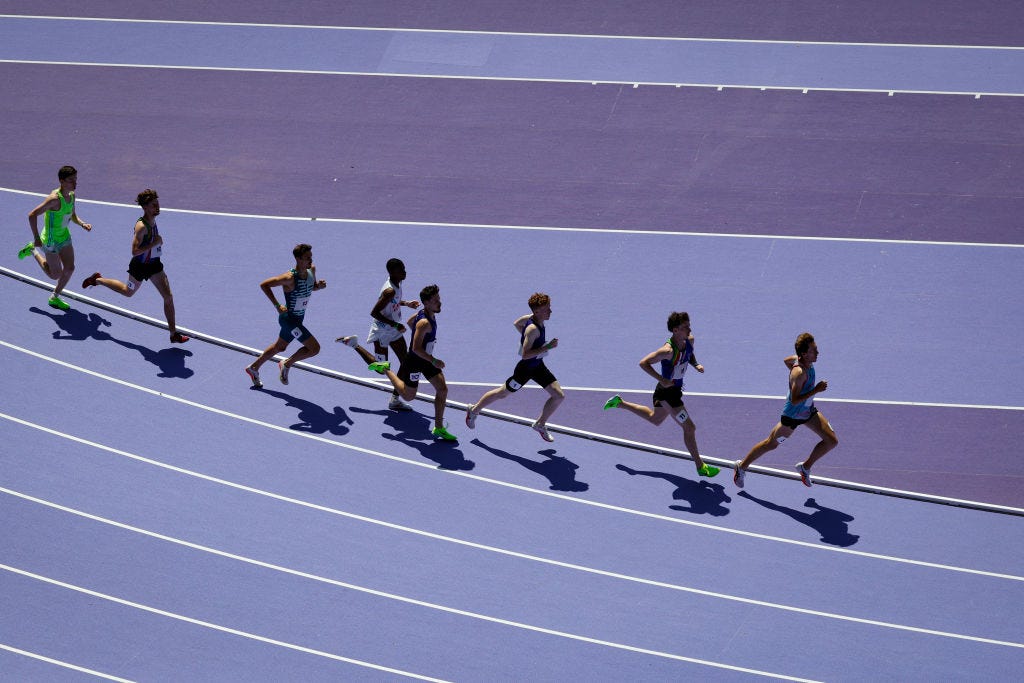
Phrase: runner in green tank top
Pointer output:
(52, 248)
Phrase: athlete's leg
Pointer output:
(778, 434)
(124, 288)
(163, 285)
(440, 396)
(820, 426)
(405, 391)
(555, 398)
(65, 269)
(654, 416)
(310, 347)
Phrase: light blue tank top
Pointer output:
(802, 410)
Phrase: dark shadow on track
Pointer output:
(832, 525)
(313, 418)
(413, 430)
(77, 326)
(704, 497)
(561, 472)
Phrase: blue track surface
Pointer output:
(167, 522)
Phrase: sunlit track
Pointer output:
(173, 514)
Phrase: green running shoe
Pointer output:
(613, 402)
(443, 434)
(56, 302)
(26, 250)
(379, 368)
(707, 471)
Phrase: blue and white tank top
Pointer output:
(297, 299)
(431, 336)
(802, 410)
(148, 238)
(674, 368)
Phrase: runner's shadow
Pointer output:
(561, 472)
(313, 418)
(78, 326)
(704, 497)
(832, 525)
(413, 430)
(75, 325)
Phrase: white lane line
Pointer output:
(398, 527)
(565, 565)
(443, 608)
(371, 29)
(212, 626)
(539, 228)
(66, 665)
(571, 431)
(511, 79)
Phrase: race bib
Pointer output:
(429, 347)
(301, 303)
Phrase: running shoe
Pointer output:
(350, 341)
(398, 404)
(443, 434)
(470, 418)
(738, 475)
(378, 367)
(707, 471)
(543, 431)
(90, 281)
(26, 250)
(282, 372)
(805, 474)
(178, 338)
(254, 375)
(613, 402)
(57, 302)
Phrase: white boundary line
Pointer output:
(66, 665)
(539, 228)
(370, 29)
(210, 625)
(306, 650)
(614, 575)
(431, 468)
(593, 436)
(977, 94)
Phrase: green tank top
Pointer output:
(55, 227)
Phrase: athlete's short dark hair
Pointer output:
(301, 249)
(394, 264)
(66, 172)
(146, 196)
(676, 319)
(428, 292)
(803, 343)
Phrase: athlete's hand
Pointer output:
(86, 226)
(821, 386)
(699, 368)
(412, 304)
(553, 343)
(438, 363)
(321, 284)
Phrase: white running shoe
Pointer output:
(398, 404)
(350, 341)
(805, 474)
(543, 431)
(470, 418)
(282, 372)
(739, 474)
(254, 375)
